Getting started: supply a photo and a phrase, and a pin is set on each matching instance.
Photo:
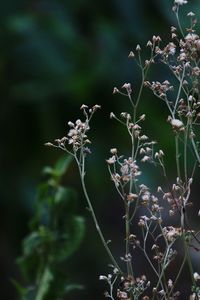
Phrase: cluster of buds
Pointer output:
(145, 194)
(142, 284)
(125, 86)
(122, 295)
(158, 88)
(128, 169)
(178, 197)
(133, 286)
(133, 240)
(146, 149)
(189, 47)
(172, 233)
(77, 136)
(189, 108)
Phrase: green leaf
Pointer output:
(62, 165)
(71, 243)
(73, 286)
(31, 243)
(21, 290)
(67, 195)
(44, 284)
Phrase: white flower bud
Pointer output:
(113, 151)
(176, 123)
(196, 276)
(138, 48)
(180, 2)
(102, 277)
(131, 54)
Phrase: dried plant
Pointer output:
(159, 240)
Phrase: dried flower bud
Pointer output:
(177, 124)
(159, 189)
(71, 124)
(131, 196)
(145, 158)
(95, 107)
(138, 48)
(122, 295)
(102, 277)
(196, 276)
(174, 35)
(190, 14)
(49, 144)
(131, 54)
(161, 292)
(83, 106)
(190, 98)
(144, 138)
(112, 115)
(111, 160)
(113, 151)
(142, 151)
(173, 29)
(161, 153)
(180, 2)
(192, 134)
(170, 283)
(115, 90)
(154, 290)
(148, 150)
(149, 44)
(127, 86)
(142, 117)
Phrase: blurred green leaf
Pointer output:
(31, 243)
(56, 233)
(71, 242)
(44, 284)
(21, 290)
(62, 165)
(74, 286)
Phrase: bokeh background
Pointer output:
(54, 56)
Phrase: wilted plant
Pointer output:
(159, 239)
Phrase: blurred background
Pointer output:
(54, 56)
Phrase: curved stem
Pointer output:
(82, 174)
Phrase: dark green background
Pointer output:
(54, 56)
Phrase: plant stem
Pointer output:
(177, 157)
(128, 262)
(82, 175)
